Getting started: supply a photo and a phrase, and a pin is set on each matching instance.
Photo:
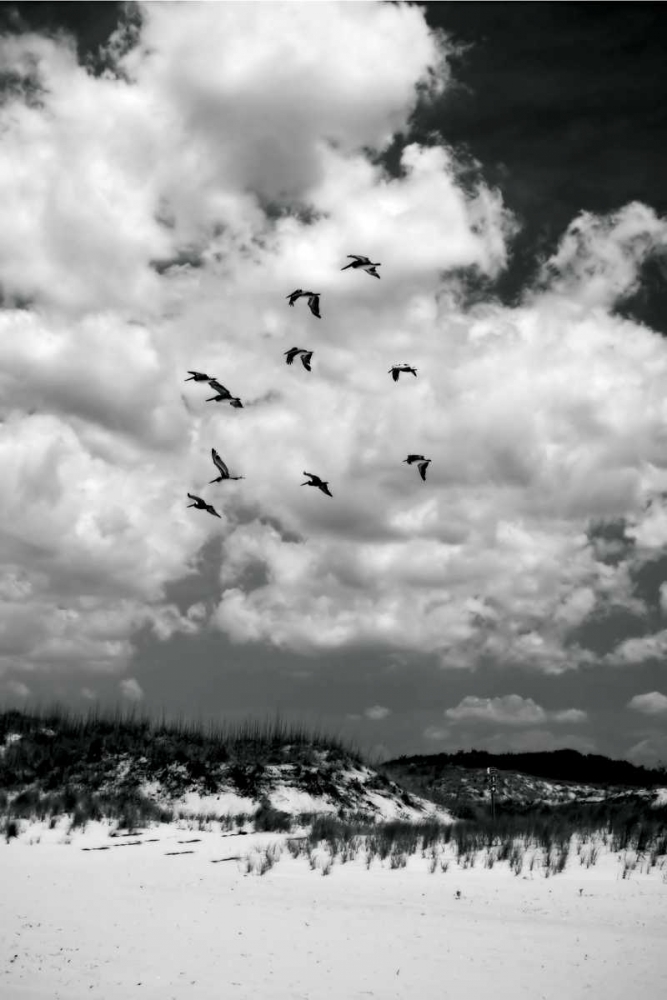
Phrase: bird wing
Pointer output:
(311, 475)
(291, 354)
(214, 384)
(423, 466)
(325, 489)
(395, 373)
(305, 359)
(360, 258)
(219, 463)
(371, 270)
(314, 303)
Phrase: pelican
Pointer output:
(214, 384)
(305, 356)
(197, 377)
(202, 505)
(224, 471)
(414, 458)
(397, 369)
(313, 300)
(316, 481)
(423, 466)
(363, 262)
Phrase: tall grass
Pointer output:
(96, 763)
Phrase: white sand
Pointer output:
(132, 922)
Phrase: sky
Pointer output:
(170, 173)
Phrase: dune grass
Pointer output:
(56, 763)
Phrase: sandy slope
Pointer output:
(133, 921)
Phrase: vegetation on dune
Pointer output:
(55, 764)
(95, 765)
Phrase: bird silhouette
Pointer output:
(362, 262)
(305, 356)
(397, 369)
(414, 458)
(197, 377)
(320, 483)
(224, 471)
(313, 300)
(202, 505)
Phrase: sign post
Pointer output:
(491, 778)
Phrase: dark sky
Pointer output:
(564, 106)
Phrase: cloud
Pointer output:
(570, 715)
(377, 712)
(131, 689)
(599, 258)
(88, 694)
(156, 218)
(651, 703)
(639, 650)
(511, 710)
(649, 752)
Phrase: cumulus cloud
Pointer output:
(130, 688)
(639, 650)
(377, 712)
(651, 703)
(570, 715)
(649, 752)
(155, 219)
(511, 709)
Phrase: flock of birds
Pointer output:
(224, 395)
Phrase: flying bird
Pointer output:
(224, 471)
(202, 505)
(397, 369)
(197, 377)
(305, 356)
(316, 481)
(363, 262)
(414, 458)
(313, 300)
(214, 384)
(423, 466)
